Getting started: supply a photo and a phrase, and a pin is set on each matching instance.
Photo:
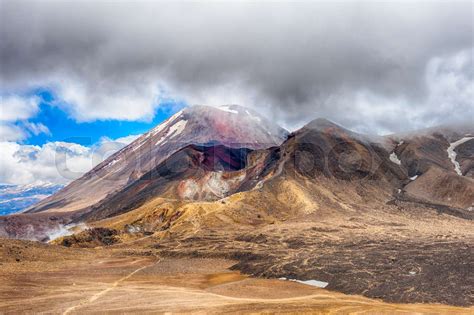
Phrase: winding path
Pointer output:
(98, 295)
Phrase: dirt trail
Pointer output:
(98, 295)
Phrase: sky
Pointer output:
(87, 77)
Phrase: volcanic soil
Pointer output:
(238, 271)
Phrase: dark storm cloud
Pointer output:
(373, 66)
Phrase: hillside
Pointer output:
(233, 125)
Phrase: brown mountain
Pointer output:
(440, 163)
(232, 125)
(354, 168)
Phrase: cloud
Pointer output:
(11, 132)
(111, 103)
(15, 110)
(14, 107)
(21, 130)
(362, 62)
(449, 99)
(53, 162)
(36, 128)
(451, 86)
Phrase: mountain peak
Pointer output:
(329, 128)
(229, 108)
(322, 123)
(326, 126)
(231, 125)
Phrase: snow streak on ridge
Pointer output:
(452, 153)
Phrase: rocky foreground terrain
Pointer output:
(124, 279)
(379, 224)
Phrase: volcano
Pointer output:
(232, 125)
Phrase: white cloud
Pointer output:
(449, 90)
(37, 128)
(84, 103)
(449, 80)
(27, 164)
(14, 108)
(11, 132)
(21, 130)
(53, 162)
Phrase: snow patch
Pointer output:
(177, 128)
(174, 130)
(112, 163)
(141, 143)
(227, 109)
(161, 141)
(314, 283)
(165, 124)
(257, 119)
(394, 158)
(452, 154)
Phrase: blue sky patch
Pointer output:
(64, 128)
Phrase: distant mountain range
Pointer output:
(15, 198)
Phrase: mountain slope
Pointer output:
(319, 152)
(232, 125)
(194, 172)
(439, 162)
(321, 168)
